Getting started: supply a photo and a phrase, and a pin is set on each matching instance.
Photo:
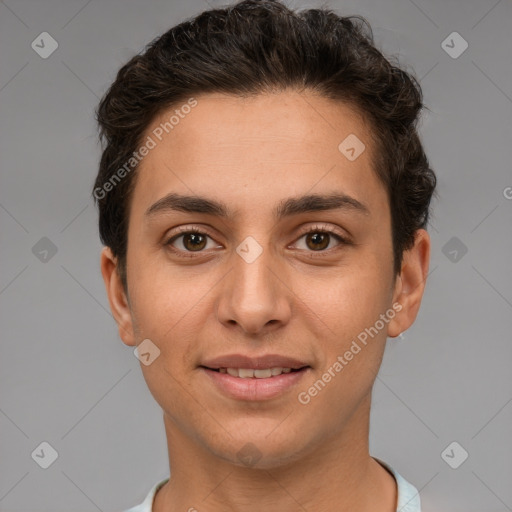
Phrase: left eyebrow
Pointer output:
(286, 208)
(318, 202)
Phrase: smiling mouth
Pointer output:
(253, 373)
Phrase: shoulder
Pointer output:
(147, 504)
(408, 495)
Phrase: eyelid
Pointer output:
(183, 230)
(325, 229)
(189, 229)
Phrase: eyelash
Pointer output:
(194, 230)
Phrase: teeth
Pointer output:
(263, 374)
(249, 373)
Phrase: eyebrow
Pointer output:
(286, 208)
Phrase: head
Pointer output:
(249, 107)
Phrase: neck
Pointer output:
(336, 474)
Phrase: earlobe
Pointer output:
(117, 296)
(410, 284)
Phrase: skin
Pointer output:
(294, 299)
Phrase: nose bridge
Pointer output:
(253, 277)
(253, 296)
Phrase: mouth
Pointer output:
(240, 377)
(256, 373)
(256, 378)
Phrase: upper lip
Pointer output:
(255, 362)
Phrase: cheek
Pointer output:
(346, 304)
(169, 308)
(345, 319)
(166, 301)
(351, 344)
(166, 310)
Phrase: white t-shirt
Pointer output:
(408, 496)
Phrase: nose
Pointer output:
(255, 296)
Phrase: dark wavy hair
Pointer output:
(257, 46)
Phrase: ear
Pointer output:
(410, 283)
(117, 298)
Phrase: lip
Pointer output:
(254, 389)
(257, 362)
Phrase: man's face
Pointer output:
(254, 283)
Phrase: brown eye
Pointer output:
(189, 241)
(317, 241)
(194, 241)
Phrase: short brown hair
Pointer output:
(256, 46)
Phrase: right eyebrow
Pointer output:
(188, 204)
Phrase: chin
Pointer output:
(261, 450)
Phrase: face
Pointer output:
(285, 261)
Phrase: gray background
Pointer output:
(67, 379)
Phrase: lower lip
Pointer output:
(252, 388)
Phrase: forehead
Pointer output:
(257, 149)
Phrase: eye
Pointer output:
(319, 239)
(192, 240)
(189, 240)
